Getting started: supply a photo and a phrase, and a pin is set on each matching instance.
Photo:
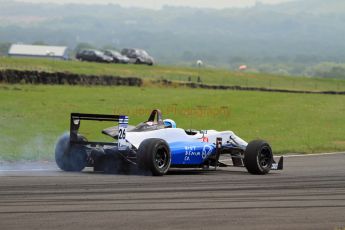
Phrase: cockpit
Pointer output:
(154, 122)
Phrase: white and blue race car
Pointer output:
(157, 145)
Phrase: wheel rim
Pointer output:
(265, 157)
(161, 158)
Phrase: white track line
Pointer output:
(311, 154)
(298, 155)
(27, 170)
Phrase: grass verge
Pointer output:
(33, 116)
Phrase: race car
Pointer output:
(157, 145)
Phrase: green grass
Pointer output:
(32, 117)
(208, 75)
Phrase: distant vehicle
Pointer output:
(138, 56)
(117, 57)
(93, 56)
(243, 67)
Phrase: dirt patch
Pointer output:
(339, 143)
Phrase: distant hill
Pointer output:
(266, 37)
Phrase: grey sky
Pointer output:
(159, 3)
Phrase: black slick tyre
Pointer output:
(258, 157)
(154, 155)
(70, 158)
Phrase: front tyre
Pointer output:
(154, 155)
(258, 157)
(70, 158)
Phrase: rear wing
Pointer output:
(75, 124)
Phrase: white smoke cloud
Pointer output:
(36, 154)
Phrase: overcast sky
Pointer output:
(156, 4)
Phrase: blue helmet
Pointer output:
(168, 123)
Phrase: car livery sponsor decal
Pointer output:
(191, 151)
(196, 152)
(206, 151)
(123, 123)
(204, 139)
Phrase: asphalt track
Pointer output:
(308, 194)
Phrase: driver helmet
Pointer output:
(168, 123)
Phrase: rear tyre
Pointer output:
(258, 157)
(154, 156)
(71, 158)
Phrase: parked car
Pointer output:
(138, 56)
(93, 56)
(117, 57)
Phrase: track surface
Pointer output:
(308, 194)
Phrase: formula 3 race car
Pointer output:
(156, 145)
